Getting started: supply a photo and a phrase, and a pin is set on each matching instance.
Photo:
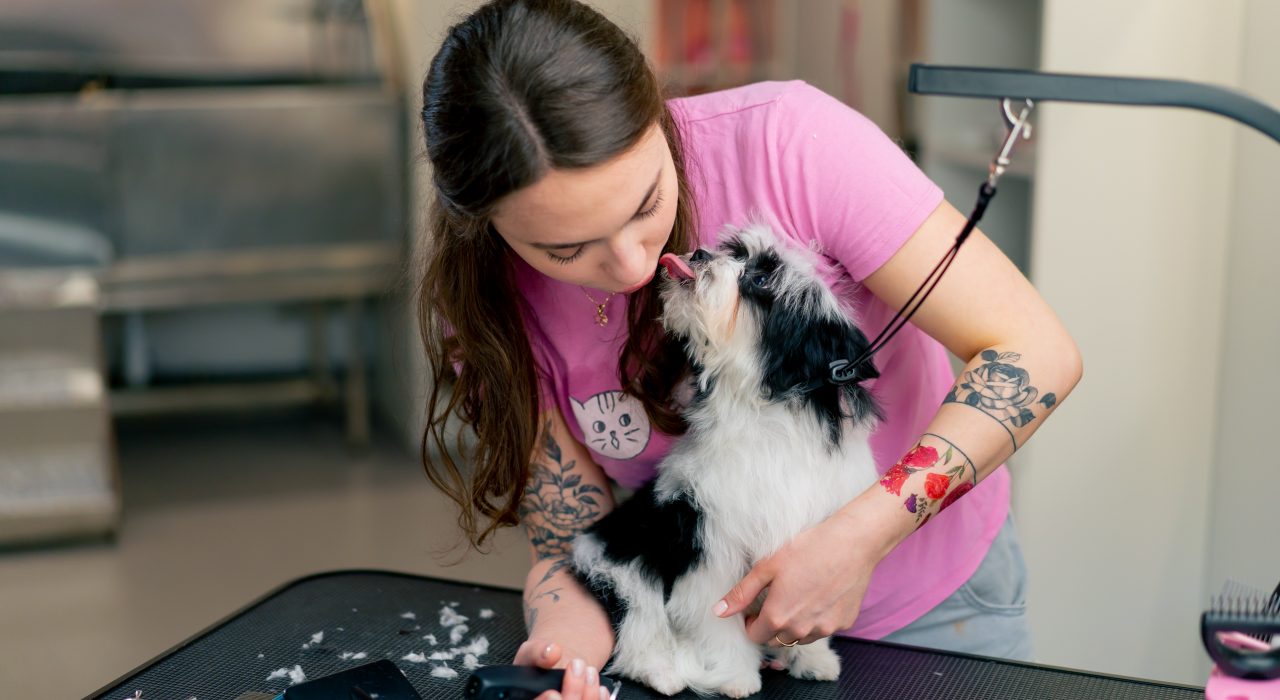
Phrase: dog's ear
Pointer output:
(799, 350)
(804, 356)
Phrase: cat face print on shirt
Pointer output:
(613, 424)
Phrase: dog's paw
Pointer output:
(741, 687)
(816, 663)
(667, 682)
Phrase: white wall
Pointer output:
(1244, 513)
(1133, 231)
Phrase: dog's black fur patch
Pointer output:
(799, 347)
(664, 536)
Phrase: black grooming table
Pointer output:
(388, 615)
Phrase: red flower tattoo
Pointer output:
(920, 456)
(894, 478)
(935, 485)
(955, 495)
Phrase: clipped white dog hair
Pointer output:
(777, 442)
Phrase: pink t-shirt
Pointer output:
(822, 174)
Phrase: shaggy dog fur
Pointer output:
(777, 443)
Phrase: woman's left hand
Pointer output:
(816, 583)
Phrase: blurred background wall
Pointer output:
(1151, 236)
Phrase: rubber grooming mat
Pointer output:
(389, 615)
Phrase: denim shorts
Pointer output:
(988, 614)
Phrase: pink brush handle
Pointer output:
(1224, 687)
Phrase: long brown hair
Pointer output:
(520, 87)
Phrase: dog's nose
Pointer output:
(700, 255)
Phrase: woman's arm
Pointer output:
(567, 492)
(1022, 364)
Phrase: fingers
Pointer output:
(581, 682)
(786, 636)
(574, 679)
(538, 652)
(744, 592)
(768, 629)
(591, 691)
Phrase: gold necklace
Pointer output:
(602, 319)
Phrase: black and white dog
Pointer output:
(777, 442)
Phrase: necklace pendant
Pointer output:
(602, 319)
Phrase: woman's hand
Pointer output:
(581, 680)
(816, 583)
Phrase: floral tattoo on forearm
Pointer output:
(1001, 390)
(530, 612)
(556, 507)
(947, 477)
(563, 506)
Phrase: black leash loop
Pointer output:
(985, 192)
(843, 371)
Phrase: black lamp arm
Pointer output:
(1001, 83)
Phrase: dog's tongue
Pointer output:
(677, 268)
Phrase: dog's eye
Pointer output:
(761, 280)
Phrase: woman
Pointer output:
(561, 176)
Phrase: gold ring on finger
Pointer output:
(778, 639)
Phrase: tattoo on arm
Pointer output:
(1001, 390)
(563, 507)
(948, 455)
(560, 564)
(947, 477)
(531, 613)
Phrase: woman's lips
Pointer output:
(676, 267)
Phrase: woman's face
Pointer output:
(601, 227)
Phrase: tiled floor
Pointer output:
(216, 513)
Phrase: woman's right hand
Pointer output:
(581, 680)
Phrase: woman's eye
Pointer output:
(653, 210)
(565, 259)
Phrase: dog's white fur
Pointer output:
(760, 471)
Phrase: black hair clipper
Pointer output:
(1237, 632)
(380, 679)
(521, 683)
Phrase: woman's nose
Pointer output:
(700, 255)
(629, 260)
